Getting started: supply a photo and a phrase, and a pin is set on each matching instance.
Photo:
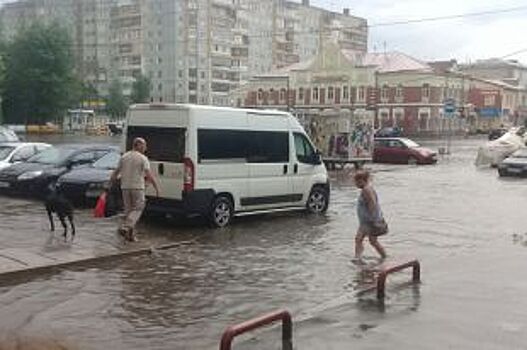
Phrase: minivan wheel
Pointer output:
(222, 211)
(318, 201)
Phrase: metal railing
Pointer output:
(381, 279)
(280, 315)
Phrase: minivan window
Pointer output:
(268, 147)
(163, 144)
(304, 149)
(222, 144)
(246, 145)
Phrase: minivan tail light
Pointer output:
(188, 175)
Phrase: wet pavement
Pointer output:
(465, 225)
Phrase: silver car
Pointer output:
(16, 152)
(7, 135)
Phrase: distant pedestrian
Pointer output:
(371, 220)
(133, 169)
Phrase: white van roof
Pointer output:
(181, 106)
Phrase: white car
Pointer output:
(16, 152)
(7, 135)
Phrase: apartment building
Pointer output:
(126, 43)
(194, 51)
(284, 32)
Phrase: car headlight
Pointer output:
(98, 185)
(30, 175)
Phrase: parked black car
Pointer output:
(515, 164)
(389, 132)
(84, 185)
(34, 176)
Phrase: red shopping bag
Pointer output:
(100, 207)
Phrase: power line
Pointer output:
(449, 17)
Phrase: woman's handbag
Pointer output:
(380, 227)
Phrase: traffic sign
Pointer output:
(449, 107)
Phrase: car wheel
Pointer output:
(221, 212)
(412, 160)
(502, 172)
(318, 201)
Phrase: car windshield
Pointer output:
(409, 143)
(5, 151)
(109, 161)
(52, 156)
(522, 153)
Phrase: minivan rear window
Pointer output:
(163, 144)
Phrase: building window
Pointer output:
(345, 93)
(489, 100)
(384, 93)
(361, 94)
(282, 94)
(315, 94)
(425, 91)
(301, 94)
(331, 93)
(399, 92)
(398, 116)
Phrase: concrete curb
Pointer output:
(96, 259)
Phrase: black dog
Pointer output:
(55, 202)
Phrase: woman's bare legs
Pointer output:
(378, 247)
(359, 245)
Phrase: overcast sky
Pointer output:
(464, 39)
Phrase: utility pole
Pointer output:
(288, 94)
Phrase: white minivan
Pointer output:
(219, 162)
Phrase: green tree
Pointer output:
(141, 90)
(38, 82)
(116, 102)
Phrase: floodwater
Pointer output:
(184, 298)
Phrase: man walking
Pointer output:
(134, 169)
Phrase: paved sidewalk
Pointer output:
(27, 244)
(470, 302)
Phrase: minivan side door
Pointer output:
(269, 170)
(304, 167)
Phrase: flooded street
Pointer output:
(183, 298)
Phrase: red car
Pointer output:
(401, 150)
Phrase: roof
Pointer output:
(20, 144)
(187, 106)
(443, 66)
(392, 62)
(496, 62)
(498, 83)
